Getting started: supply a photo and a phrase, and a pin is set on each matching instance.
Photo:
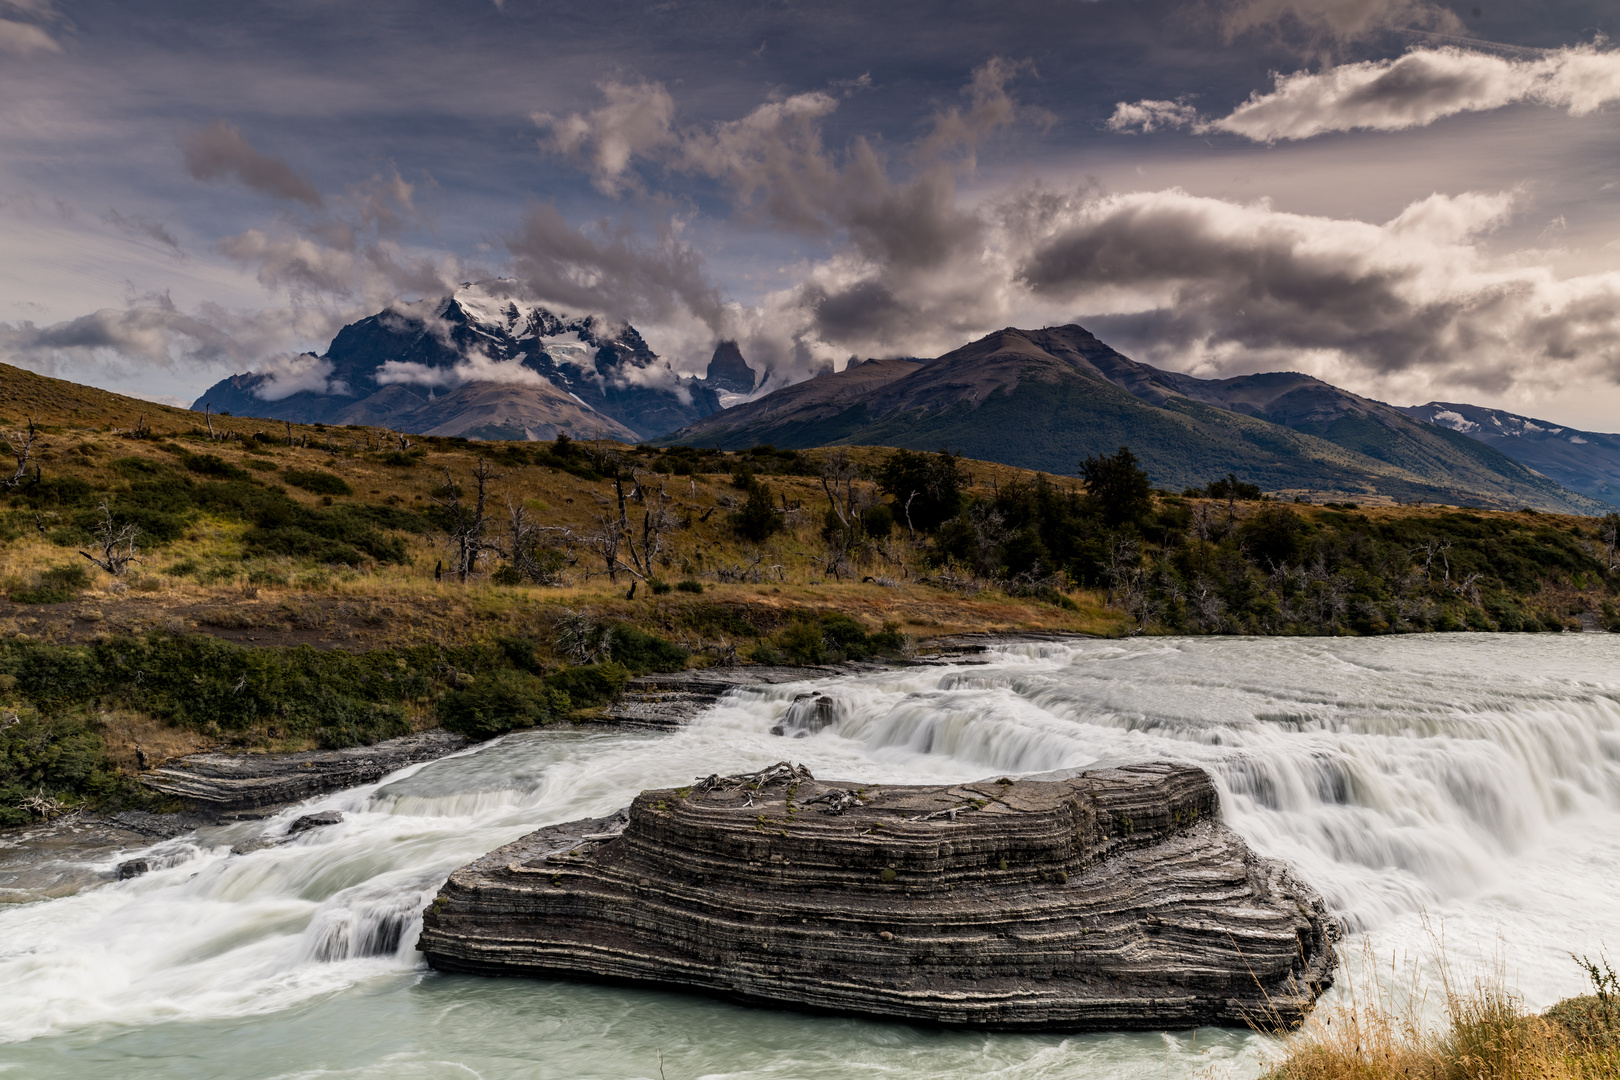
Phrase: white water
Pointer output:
(1474, 780)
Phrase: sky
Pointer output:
(1414, 200)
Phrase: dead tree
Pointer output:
(656, 521)
(532, 559)
(465, 524)
(1609, 533)
(117, 543)
(846, 503)
(21, 445)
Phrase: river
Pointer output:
(1458, 787)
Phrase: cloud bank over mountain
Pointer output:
(821, 187)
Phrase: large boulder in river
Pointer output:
(1112, 899)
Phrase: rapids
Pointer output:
(1461, 787)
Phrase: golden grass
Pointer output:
(1471, 1029)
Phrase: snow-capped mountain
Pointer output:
(479, 364)
(1583, 461)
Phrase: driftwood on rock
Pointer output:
(1110, 900)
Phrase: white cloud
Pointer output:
(474, 366)
(1420, 87)
(635, 121)
(25, 39)
(1147, 115)
(286, 375)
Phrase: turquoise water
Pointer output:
(1459, 786)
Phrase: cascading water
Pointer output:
(1464, 782)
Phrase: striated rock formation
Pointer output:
(1110, 900)
(251, 784)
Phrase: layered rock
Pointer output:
(1113, 899)
(246, 784)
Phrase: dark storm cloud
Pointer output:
(1222, 282)
(608, 270)
(219, 151)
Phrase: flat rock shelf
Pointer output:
(251, 785)
(1109, 900)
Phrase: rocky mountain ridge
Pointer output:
(477, 364)
(1043, 399)
(1583, 461)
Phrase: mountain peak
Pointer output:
(729, 371)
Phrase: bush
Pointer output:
(319, 483)
(642, 652)
(758, 518)
(213, 465)
(831, 637)
(57, 585)
(689, 586)
(497, 702)
(590, 684)
(660, 587)
(56, 758)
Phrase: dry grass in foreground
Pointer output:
(1485, 1034)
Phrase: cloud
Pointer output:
(1215, 285)
(1413, 90)
(635, 121)
(1336, 21)
(1145, 116)
(286, 375)
(218, 151)
(908, 258)
(25, 39)
(609, 270)
(1421, 87)
(474, 366)
(149, 230)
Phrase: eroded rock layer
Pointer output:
(1110, 900)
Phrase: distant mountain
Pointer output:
(729, 372)
(1043, 399)
(478, 365)
(1583, 461)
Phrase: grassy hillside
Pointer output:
(299, 587)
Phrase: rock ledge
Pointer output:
(1110, 900)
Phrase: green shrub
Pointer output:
(213, 465)
(61, 758)
(831, 637)
(660, 587)
(57, 585)
(260, 465)
(689, 585)
(319, 483)
(590, 684)
(802, 644)
(758, 518)
(642, 652)
(501, 701)
(766, 653)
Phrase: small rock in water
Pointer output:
(315, 821)
(134, 868)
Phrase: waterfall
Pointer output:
(1471, 779)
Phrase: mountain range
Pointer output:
(1583, 461)
(476, 364)
(1043, 399)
